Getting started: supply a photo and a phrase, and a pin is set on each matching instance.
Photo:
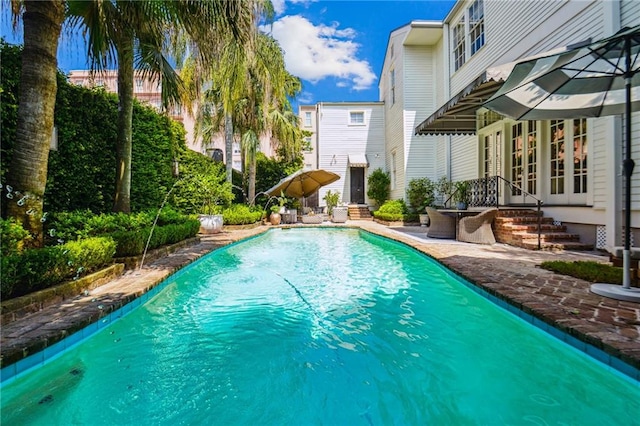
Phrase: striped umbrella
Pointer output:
(592, 80)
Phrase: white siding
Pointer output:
(464, 154)
(394, 116)
(419, 102)
(516, 29)
(337, 139)
(630, 13)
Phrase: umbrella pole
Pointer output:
(615, 291)
(628, 166)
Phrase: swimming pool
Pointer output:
(320, 326)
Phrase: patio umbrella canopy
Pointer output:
(593, 80)
(303, 183)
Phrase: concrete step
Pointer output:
(546, 236)
(554, 246)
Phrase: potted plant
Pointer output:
(443, 187)
(332, 199)
(420, 194)
(276, 210)
(207, 193)
(461, 194)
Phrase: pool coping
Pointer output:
(44, 334)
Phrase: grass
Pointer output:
(586, 270)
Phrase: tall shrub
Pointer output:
(379, 183)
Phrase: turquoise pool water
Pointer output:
(312, 326)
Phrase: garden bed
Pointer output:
(19, 307)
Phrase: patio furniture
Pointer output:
(290, 216)
(477, 229)
(339, 214)
(442, 225)
(312, 219)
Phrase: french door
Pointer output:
(567, 160)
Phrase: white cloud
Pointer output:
(304, 98)
(317, 52)
(279, 5)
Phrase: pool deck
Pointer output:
(509, 273)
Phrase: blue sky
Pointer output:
(335, 47)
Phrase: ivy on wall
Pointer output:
(82, 171)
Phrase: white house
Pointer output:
(351, 143)
(470, 142)
(429, 121)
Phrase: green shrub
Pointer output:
(133, 243)
(420, 193)
(378, 183)
(241, 214)
(37, 269)
(394, 210)
(12, 237)
(586, 270)
(69, 226)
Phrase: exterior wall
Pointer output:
(394, 113)
(515, 30)
(419, 100)
(337, 139)
(310, 157)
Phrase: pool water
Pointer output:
(320, 326)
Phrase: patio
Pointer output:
(508, 273)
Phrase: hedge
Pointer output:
(37, 269)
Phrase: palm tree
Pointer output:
(248, 97)
(27, 176)
(134, 34)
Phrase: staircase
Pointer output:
(359, 212)
(519, 227)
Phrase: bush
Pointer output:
(68, 226)
(420, 193)
(37, 269)
(240, 214)
(12, 237)
(133, 243)
(378, 183)
(586, 270)
(395, 210)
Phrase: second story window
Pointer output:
(392, 86)
(467, 36)
(458, 44)
(356, 117)
(476, 26)
(307, 119)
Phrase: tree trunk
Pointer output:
(228, 145)
(27, 174)
(122, 201)
(252, 179)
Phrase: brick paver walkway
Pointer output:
(509, 273)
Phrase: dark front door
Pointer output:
(357, 185)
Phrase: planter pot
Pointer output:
(275, 218)
(424, 219)
(210, 223)
(462, 206)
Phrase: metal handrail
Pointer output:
(538, 203)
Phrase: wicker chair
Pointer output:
(477, 229)
(442, 225)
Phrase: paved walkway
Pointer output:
(509, 273)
